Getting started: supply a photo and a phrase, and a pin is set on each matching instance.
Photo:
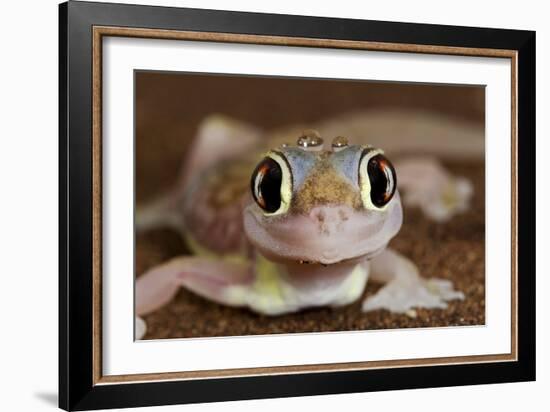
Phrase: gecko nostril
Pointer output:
(330, 215)
(343, 215)
(318, 215)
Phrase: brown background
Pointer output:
(169, 108)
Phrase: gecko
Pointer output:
(289, 222)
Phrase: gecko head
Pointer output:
(322, 206)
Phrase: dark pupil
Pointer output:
(266, 185)
(382, 180)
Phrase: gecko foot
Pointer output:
(403, 296)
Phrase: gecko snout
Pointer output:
(329, 218)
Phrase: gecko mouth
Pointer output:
(331, 256)
(307, 239)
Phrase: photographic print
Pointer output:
(241, 193)
(268, 205)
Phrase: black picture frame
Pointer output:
(77, 390)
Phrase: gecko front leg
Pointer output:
(217, 280)
(232, 283)
(220, 281)
(404, 288)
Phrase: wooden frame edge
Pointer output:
(98, 32)
(296, 41)
(97, 232)
(296, 369)
(514, 218)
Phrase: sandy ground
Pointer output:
(454, 250)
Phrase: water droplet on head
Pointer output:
(339, 143)
(310, 140)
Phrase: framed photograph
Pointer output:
(257, 205)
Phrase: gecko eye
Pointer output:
(377, 179)
(270, 184)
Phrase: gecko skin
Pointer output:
(294, 227)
